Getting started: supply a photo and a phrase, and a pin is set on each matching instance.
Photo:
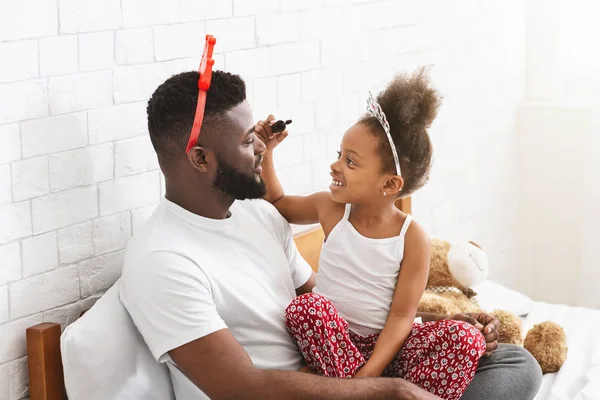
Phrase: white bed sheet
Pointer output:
(579, 378)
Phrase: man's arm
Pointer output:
(220, 367)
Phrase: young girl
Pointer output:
(359, 321)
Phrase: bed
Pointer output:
(579, 378)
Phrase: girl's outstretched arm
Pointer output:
(295, 209)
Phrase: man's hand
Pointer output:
(487, 324)
(264, 133)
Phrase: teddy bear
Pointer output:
(454, 269)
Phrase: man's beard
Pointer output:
(238, 185)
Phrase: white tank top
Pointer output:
(359, 274)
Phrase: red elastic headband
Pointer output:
(205, 71)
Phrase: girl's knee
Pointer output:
(309, 307)
(466, 339)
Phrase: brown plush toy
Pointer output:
(453, 270)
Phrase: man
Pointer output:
(207, 279)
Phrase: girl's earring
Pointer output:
(385, 193)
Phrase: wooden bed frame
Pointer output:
(46, 378)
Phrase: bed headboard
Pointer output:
(46, 378)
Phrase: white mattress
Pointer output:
(579, 378)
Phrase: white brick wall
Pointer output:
(39, 254)
(27, 53)
(78, 175)
(58, 55)
(69, 131)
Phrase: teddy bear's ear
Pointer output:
(475, 244)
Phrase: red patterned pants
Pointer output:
(439, 356)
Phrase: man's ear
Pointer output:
(393, 185)
(201, 159)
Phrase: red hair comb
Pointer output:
(205, 71)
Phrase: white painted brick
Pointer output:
(246, 8)
(334, 3)
(388, 14)
(289, 89)
(89, 15)
(75, 243)
(5, 184)
(340, 51)
(39, 254)
(260, 66)
(134, 46)
(139, 216)
(30, 178)
(23, 100)
(289, 153)
(100, 273)
(137, 82)
(15, 221)
(11, 143)
(3, 307)
(64, 209)
(12, 345)
(21, 60)
(27, 19)
(278, 28)
(320, 174)
(321, 83)
(96, 51)
(232, 34)
(328, 22)
(405, 39)
(80, 92)
(295, 5)
(117, 122)
(138, 13)
(296, 180)
(4, 382)
(382, 72)
(19, 378)
(264, 96)
(198, 10)
(315, 146)
(134, 156)
(350, 109)
(178, 41)
(334, 139)
(288, 58)
(81, 167)
(111, 233)
(326, 111)
(58, 55)
(357, 79)
(10, 255)
(42, 292)
(53, 134)
(123, 194)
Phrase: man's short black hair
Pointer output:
(172, 108)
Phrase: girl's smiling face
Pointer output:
(357, 173)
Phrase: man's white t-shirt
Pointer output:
(186, 276)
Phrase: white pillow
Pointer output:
(492, 295)
(105, 357)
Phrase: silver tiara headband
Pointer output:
(375, 110)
